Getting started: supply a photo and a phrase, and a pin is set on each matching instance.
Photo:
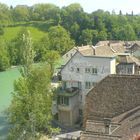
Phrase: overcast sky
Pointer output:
(88, 5)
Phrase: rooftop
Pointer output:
(127, 58)
(113, 95)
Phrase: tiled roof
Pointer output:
(103, 48)
(86, 50)
(109, 48)
(126, 58)
(112, 96)
(130, 124)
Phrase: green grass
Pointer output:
(6, 87)
(11, 32)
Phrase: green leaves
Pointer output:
(30, 110)
(60, 39)
(4, 59)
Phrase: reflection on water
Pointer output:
(3, 126)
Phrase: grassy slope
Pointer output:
(11, 32)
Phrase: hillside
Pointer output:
(11, 32)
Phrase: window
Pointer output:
(94, 71)
(129, 70)
(71, 54)
(87, 85)
(63, 100)
(67, 55)
(71, 69)
(87, 70)
(79, 85)
(78, 70)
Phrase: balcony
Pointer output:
(67, 98)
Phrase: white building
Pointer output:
(79, 75)
(85, 71)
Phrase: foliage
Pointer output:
(1, 31)
(60, 39)
(77, 23)
(52, 58)
(41, 47)
(30, 109)
(59, 29)
(21, 13)
(4, 59)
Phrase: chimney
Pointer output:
(107, 123)
(93, 49)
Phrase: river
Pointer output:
(6, 87)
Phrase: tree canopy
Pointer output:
(30, 109)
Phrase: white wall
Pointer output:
(104, 67)
(113, 66)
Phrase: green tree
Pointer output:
(102, 35)
(52, 57)
(4, 59)
(15, 47)
(71, 14)
(86, 37)
(5, 15)
(21, 13)
(60, 39)
(48, 12)
(41, 47)
(127, 33)
(1, 31)
(30, 109)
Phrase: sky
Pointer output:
(126, 6)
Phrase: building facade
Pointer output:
(84, 72)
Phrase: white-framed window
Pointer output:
(87, 70)
(87, 85)
(94, 71)
(63, 100)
